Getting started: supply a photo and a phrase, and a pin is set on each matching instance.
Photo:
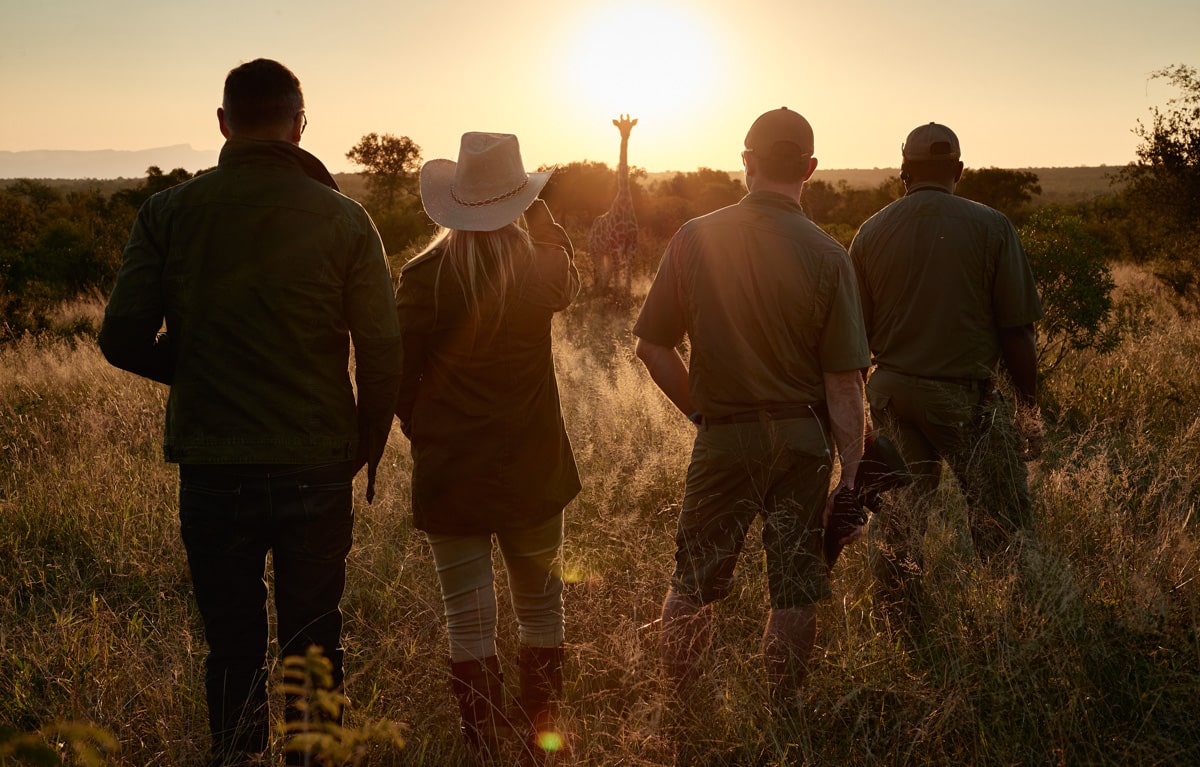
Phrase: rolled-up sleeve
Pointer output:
(843, 343)
(662, 319)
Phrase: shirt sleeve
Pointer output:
(375, 332)
(129, 335)
(1015, 294)
(843, 339)
(662, 320)
(858, 248)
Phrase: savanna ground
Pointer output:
(1090, 657)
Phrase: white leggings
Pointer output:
(464, 568)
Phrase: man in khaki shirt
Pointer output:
(770, 307)
(947, 294)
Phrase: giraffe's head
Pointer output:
(625, 125)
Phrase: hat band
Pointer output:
(490, 200)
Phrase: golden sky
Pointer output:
(1026, 83)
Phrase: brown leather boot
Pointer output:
(478, 685)
(541, 691)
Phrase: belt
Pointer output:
(982, 383)
(970, 383)
(815, 410)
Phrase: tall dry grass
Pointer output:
(1085, 653)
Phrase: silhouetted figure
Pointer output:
(770, 308)
(264, 276)
(479, 402)
(947, 294)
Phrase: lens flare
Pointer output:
(550, 741)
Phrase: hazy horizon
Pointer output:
(113, 164)
(1024, 83)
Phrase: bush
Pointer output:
(1164, 184)
(1075, 283)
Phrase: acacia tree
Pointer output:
(391, 164)
(1164, 183)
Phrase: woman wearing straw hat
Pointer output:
(479, 403)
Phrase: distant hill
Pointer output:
(102, 163)
(1059, 185)
(1068, 185)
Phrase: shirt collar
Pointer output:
(239, 151)
(773, 200)
(927, 186)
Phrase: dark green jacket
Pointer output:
(480, 403)
(263, 273)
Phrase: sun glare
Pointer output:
(642, 59)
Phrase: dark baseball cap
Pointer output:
(780, 125)
(931, 142)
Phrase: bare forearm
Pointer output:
(668, 372)
(844, 398)
(1019, 348)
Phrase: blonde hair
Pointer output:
(482, 264)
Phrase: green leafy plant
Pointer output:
(318, 730)
(1075, 284)
(59, 744)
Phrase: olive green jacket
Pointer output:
(263, 274)
(479, 401)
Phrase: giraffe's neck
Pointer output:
(623, 169)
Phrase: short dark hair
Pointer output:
(261, 94)
(786, 163)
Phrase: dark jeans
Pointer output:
(230, 517)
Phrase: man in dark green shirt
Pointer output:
(263, 275)
(948, 294)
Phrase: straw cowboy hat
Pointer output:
(485, 190)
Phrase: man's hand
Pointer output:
(1031, 430)
(845, 519)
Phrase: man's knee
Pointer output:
(792, 621)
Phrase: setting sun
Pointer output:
(641, 58)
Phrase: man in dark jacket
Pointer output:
(264, 274)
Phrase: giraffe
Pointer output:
(612, 241)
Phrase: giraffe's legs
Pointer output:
(627, 265)
(603, 270)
